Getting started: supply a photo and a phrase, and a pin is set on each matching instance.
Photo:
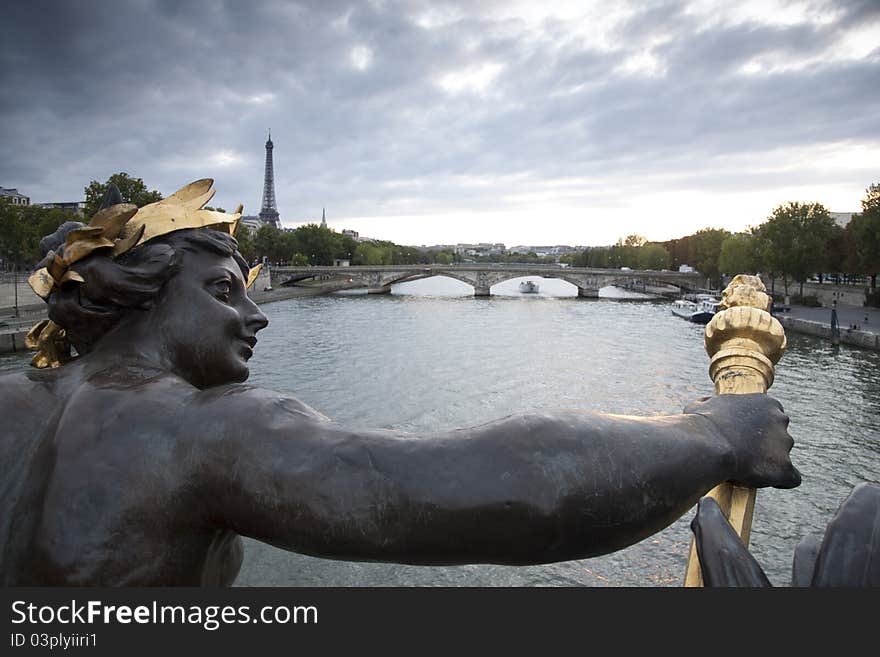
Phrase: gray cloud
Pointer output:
(173, 91)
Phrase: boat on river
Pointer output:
(528, 287)
(700, 310)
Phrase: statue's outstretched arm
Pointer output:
(525, 489)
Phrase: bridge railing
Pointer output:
(497, 267)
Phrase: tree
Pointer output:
(737, 255)
(287, 247)
(626, 252)
(767, 259)
(13, 236)
(797, 235)
(133, 190)
(317, 243)
(653, 256)
(679, 251)
(865, 228)
(871, 202)
(266, 242)
(837, 253)
(22, 228)
(345, 247)
(245, 242)
(368, 253)
(597, 257)
(635, 241)
(705, 250)
(442, 257)
(405, 255)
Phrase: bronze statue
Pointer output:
(142, 460)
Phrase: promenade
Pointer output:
(862, 318)
(859, 325)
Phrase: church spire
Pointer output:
(323, 218)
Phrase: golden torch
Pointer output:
(744, 342)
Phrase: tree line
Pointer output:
(797, 241)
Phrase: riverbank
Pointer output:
(281, 293)
(859, 325)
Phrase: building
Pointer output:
(841, 218)
(77, 207)
(14, 197)
(481, 249)
(251, 222)
(353, 234)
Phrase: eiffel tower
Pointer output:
(269, 211)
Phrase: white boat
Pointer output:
(701, 310)
(707, 305)
(528, 287)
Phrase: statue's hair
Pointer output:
(114, 287)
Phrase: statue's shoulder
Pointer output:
(126, 394)
(242, 409)
(71, 384)
(22, 389)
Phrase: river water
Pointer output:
(430, 357)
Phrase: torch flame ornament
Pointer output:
(744, 342)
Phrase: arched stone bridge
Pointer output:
(379, 279)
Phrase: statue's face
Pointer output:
(206, 322)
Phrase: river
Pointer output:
(430, 357)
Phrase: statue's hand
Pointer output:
(756, 427)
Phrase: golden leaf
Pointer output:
(41, 283)
(252, 275)
(84, 244)
(160, 219)
(194, 195)
(50, 341)
(71, 275)
(84, 232)
(237, 214)
(112, 219)
(123, 245)
(57, 267)
(31, 340)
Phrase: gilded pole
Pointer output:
(744, 342)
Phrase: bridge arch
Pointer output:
(550, 282)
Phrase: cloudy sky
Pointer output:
(430, 122)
